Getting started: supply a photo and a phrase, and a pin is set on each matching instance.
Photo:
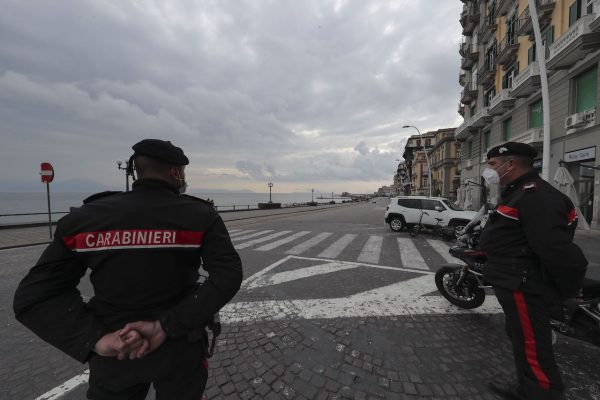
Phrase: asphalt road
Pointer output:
(334, 306)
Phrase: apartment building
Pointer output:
(501, 97)
(402, 183)
(415, 159)
(442, 157)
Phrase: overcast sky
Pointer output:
(306, 94)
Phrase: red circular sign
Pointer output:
(47, 172)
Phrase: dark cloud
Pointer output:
(299, 91)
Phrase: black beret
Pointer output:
(512, 149)
(161, 150)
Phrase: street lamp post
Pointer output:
(270, 186)
(126, 169)
(426, 157)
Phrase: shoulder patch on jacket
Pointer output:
(209, 202)
(529, 187)
(99, 196)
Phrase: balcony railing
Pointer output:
(507, 49)
(461, 109)
(482, 118)
(463, 130)
(503, 6)
(527, 82)
(462, 78)
(530, 136)
(501, 102)
(544, 10)
(469, 93)
(574, 44)
(470, 18)
(488, 71)
(489, 27)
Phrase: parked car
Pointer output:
(405, 211)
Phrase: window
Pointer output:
(469, 149)
(507, 129)
(548, 39)
(409, 203)
(574, 12)
(472, 110)
(418, 142)
(509, 75)
(430, 204)
(586, 88)
(427, 142)
(489, 95)
(486, 139)
(536, 115)
(531, 56)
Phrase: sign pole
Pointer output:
(49, 213)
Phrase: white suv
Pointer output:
(405, 211)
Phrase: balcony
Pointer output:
(461, 109)
(507, 50)
(469, 18)
(481, 119)
(462, 78)
(501, 102)
(488, 28)
(464, 130)
(469, 93)
(525, 26)
(575, 44)
(462, 49)
(527, 82)
(530, 136)
(467, 63)
(487, 72)
(503, 6)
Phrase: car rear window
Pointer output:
(409, 203)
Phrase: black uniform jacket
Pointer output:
(144, 249)
(529, 240)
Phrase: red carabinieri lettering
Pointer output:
(133, 238)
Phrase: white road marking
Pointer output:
(336, 248)
(409, 254)
(442, 250)
(301, 273)
(283, 241)
(241, 232)
(66, 387)
(371, 250)
(260, 233)
(302, 247)
(402, 298)
(263, 271)
(233, 230)
(261, 240)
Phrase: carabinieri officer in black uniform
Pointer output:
(533, 264)
(145, 323)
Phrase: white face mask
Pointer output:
(491, 175)
(182, 184)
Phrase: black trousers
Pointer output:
(528, 327)
(177, 369)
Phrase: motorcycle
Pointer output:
(464, 286)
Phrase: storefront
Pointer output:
(581, 164)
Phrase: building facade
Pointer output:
(415, 159)
(442, 157)
(501, 97)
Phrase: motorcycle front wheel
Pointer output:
(468, 296)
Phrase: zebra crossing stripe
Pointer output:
(232, 230)
(410, 256)
(280, 242)
(336, 248)
(301, 273)
(442, 250)
(371, 250)
(302, 247)
(261, 240)
(240, 232)
(252, 235)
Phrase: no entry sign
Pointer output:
(47, 172)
